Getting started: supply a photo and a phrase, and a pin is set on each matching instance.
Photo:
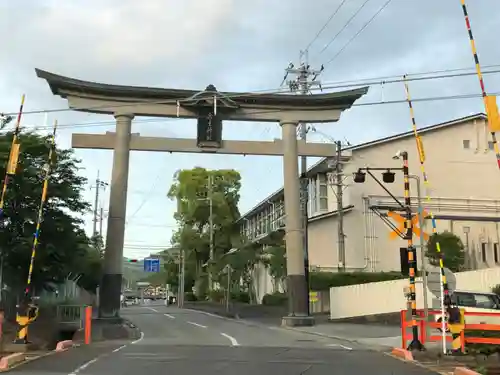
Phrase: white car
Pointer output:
(472, 301)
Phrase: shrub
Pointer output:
(190, 296)
(326, 280)
(240, 296)
(275, 299)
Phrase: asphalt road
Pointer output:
(187, 342)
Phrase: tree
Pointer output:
(97, 243)
(242, 262)
(192, 191)
(62, 242)
(452, 250)
(275, 261)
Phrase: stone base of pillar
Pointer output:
(298, 295)
(109, 296)
(297, 321)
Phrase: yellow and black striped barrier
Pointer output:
(24, 319)
(456, 325)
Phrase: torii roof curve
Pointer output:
(89, 94)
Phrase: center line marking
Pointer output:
(169, 316)
(232, 339)
(198, 325)
(340, 345)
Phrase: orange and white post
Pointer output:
(88, 324)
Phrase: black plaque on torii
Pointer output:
(209, 128)
(211, 107)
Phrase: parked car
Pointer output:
(472, 301)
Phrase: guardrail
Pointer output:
(465, 339)
(71, 314)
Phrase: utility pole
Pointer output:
(101, 219)
(211, 233)
(302, 84)
(98, 185)
(339, 178)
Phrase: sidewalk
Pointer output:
(369, 334)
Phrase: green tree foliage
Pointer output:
(242, 261)
(275, 261)
(97, 243)
(192, 191)
(63, 244)
(452, 249)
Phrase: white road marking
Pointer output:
(198, 325)
(139, 339)
(232, 339)
(85, 365)
(169, 316)
(340, 345)
(150, 308)
(209, 314)
(118, 349)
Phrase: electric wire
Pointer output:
(339, 84)
(332, 16)
(343, 27)
(358, 33)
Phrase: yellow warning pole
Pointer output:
(47, 170)
(445, 299)
(11, 166)
(490, 102)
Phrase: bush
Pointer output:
(325, 280)
(275, 299)
(216, 295)
(240, 296)
(190, 296)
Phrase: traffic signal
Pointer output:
(132, 260)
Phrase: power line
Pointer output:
(344, 27)
(359, 32)
(325, 25)
(328, 85)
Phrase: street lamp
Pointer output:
(388, 177)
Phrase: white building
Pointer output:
(464, 183)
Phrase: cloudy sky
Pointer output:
(238, 46)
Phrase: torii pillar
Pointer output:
(125, 102)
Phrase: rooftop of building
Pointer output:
(320, 165)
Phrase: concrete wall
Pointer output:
(388, 296)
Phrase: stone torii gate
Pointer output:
(209, 107)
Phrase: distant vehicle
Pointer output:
(472, 301)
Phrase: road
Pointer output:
(187, 342)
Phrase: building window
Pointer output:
(466, 143)
(323, 192)
(491, 146)
(495, 253)
(483, 252)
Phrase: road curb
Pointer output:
(403, 354)
(11, 360)
(62, 346)
(464, 371)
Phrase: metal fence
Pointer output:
(71, 315)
